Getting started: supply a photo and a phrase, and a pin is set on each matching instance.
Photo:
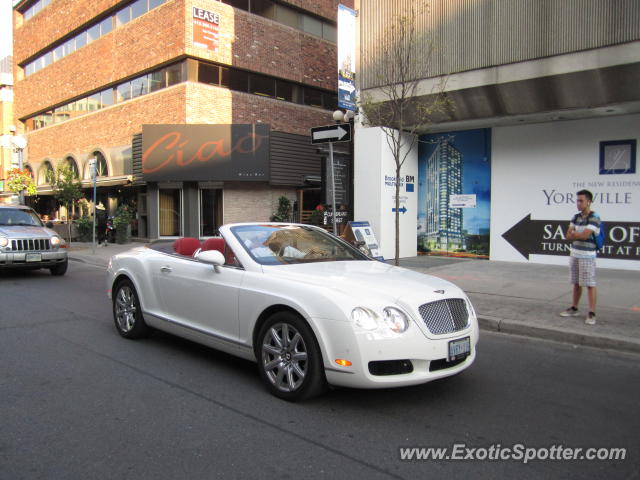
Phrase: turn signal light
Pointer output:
(342, 362)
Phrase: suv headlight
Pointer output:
(55, 241)
(4, 241)
(364, 318)
(395, 319)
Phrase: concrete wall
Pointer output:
(374, 193)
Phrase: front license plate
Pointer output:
(459, 348)
(34, 257)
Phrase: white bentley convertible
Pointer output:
(309, 308)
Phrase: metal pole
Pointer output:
(333, 189)
(93, 241)
(21, 194)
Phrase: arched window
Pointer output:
(46, 173)
(30, 170)
(101, 165)
(70, 162)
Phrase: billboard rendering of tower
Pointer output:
(443, 224)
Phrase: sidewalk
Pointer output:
(509, 297)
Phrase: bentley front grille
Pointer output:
(445, 316)
(31, 245)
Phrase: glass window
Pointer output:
(106, 97)
(170, 213)
(123, 92)
(81, 40)
(329, 32)
(284, 91)
(241, 4)
(311, 25)
(174, 74)
(139, 7)
(312, 97)
(58, 52)
(139, 86)
(330, 101)
(208, 74)
(157, 80)
(264, 8)
(155, 3)
(93, 33)
(238, 80)
(287, 16)
(123, 16)
(80, 105)
(102, 169)
(94, 102)
(71, 164)
(208, 203)
(69, 46)
(106, 25)
(29, 69)
(47, 59)
(260, 85)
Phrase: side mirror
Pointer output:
(211, 257)
(49, 224)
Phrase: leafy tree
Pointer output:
(67, 189)
(396, 105)
(283, 214)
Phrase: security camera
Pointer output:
(12, 128)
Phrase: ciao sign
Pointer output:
(205, 152)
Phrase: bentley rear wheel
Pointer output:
(289, 358)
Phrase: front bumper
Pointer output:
(427, 356)
(29, 259)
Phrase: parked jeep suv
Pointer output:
(28, 244)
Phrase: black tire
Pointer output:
(127, 313)
(292, 369)
(59, 269)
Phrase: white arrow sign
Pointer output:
(331, 133)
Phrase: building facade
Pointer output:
(93, 79)
(542, 103)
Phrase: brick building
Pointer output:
(90, 74)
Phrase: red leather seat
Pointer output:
(186, 246)
(215, 243)
(218, 243)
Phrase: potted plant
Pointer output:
(122, 221)
(284, 210)
(317, 216)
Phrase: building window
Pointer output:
(102, 170)
(261, 85)
(71, 164)
(170, 212)
(210, 201)
(46, 173)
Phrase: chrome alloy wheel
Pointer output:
(284, 357)
(126, 309)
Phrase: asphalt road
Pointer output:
(79, 402)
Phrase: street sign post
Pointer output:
(94, 172)
(340, 132)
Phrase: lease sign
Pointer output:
(205, 29)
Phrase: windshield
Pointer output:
(284, 244)
(17, 216)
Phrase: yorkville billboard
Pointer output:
(454, 193)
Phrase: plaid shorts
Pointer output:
(583, 271)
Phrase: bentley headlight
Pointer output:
(395, 319)
(4, 241)
(55, 241)
(364, 318)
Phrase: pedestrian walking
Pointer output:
(584, 226)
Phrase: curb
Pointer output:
(514, 327)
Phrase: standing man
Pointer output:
(582, 262)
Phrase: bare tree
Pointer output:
(396, 105)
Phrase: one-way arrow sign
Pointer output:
(340, 132)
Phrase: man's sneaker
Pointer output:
(591, 318)
(570, 312)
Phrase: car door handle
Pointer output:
(165, 269)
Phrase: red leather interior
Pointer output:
(186, 246)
